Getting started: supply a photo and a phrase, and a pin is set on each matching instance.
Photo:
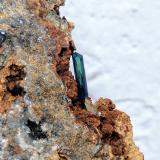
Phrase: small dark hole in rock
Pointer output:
(63, 50)
(115, 136)
(36, 130)
(17, 91)
(71, 46)
(16, 73)
(56, 8)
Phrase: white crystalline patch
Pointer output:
(45, 127)
(15, 109)
(35, 152)
(27, 101)
(2, 143)
(36, 147)
(54, 148)
(22, 141)
(2, 32)
(99, 113)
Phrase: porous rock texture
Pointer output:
(40, 114)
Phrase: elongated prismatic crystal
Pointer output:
(80, 75)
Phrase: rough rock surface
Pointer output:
(40, 117)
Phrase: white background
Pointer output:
(120, 41)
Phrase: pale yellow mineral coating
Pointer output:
(38, 119)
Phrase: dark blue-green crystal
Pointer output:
(80, 75)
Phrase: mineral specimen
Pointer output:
(40, 113)
(80, 76)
